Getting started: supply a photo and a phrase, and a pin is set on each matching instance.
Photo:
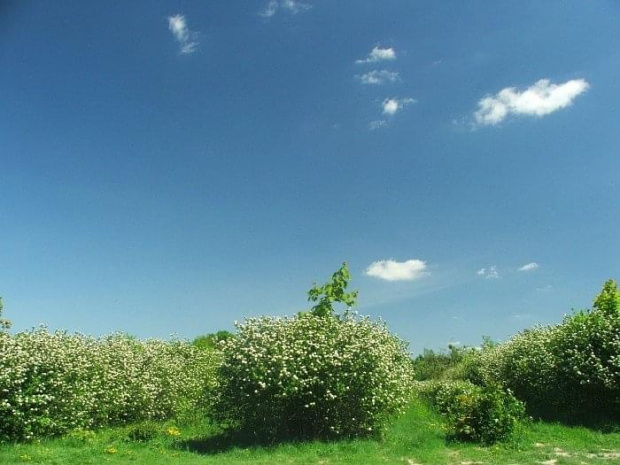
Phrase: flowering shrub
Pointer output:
(485, 414)
(569, 369)
(51, 383)
(526, 366)
(587, 348)
(312, 376)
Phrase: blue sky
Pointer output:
(174, 166)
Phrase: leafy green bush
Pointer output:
(436, 365)
(51, 383)
(211, 341)
(587, 348)
(484, 414)
(143, 432)
(312, 376)
(569, 371)
(4, 323)
(527, 367)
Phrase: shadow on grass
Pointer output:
(599, 420)
(225, 441)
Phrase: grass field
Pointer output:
(414, 438)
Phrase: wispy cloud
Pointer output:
(377, 77)
(538, 100)
(379, 54)
(377, 124)
(182, 34)
(391, 270)
(546, 288)
(529, 267)
(290, 6)
(489, 273)
(393, 105)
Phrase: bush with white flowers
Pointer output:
(312, 376)
(51, 383)
(526, 365)
(569, 369)
(587, 348)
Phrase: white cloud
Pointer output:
(292, 6)
(391, 270)
(377, 124)
(529, 267)
(378, 77)
(392, 105)
(489, 273)
(379, 54)
(540, 99)
(182, 34)
(270, 9)
(295, 6)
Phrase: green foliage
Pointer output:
(486, 414)
(144, 431)
(4, 323)
(431, 365)
(587, 353)
(51, 383)
(525, 365)
(80, 437)
(331, 292)
(608, 301)
(211, 340)
(567, 370)
(414, 437)
(310, 376)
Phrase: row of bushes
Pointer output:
(51, 383)
(317, 374)
(566, 371)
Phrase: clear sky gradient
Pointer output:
(173, 166)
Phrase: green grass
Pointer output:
(414, 438)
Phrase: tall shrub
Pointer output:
(587, 348)
(316, 374)
(568, 371)
(310, 376)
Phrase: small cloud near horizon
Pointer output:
(529, 267)
(182, 34)
(379, 54)
(391, 270)
(489, 273)
(540, 99)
